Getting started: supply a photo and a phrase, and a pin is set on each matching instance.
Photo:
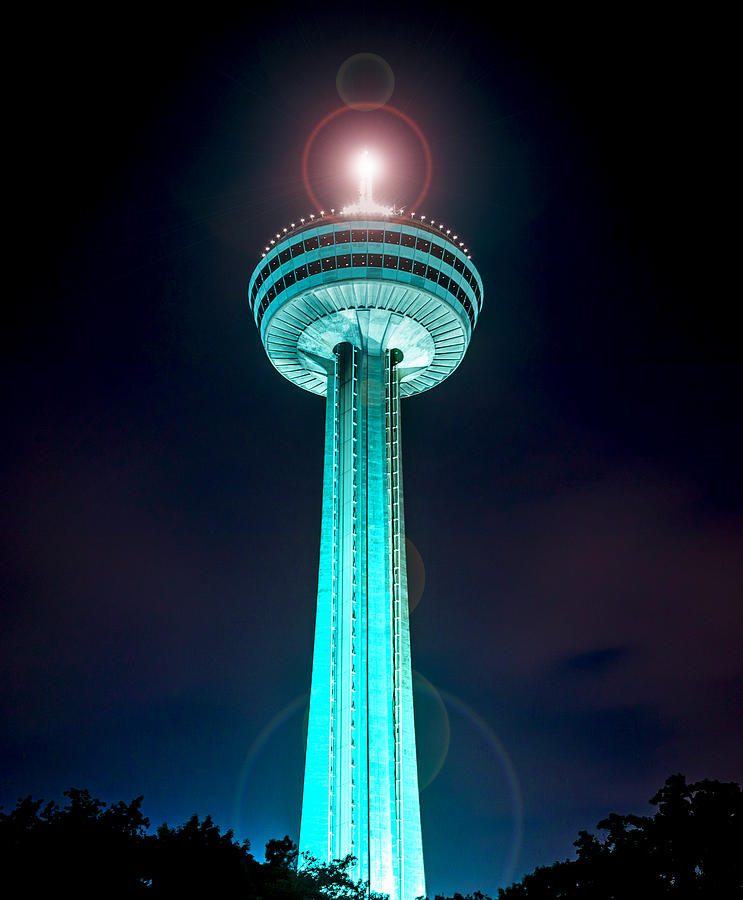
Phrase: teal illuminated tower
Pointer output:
(364, 307)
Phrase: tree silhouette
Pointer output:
(99, 851)
(689, 849)
(197, 859)
(83, 844)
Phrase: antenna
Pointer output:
(366, 167)
(365, 205)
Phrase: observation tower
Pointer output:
(364, 307)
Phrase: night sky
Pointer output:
(574, 498)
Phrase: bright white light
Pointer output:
(366, 166)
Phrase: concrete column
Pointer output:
(360, 788)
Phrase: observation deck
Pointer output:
(339, 279)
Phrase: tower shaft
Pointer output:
(364, 308)
(360, 782)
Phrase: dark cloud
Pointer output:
(595, 662)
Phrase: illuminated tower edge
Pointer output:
(364, 310)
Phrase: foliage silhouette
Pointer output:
(83, 844)
(690, 849)
(99, 851)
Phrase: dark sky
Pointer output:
(573, 491)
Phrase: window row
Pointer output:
(377, 260)
(424, 245)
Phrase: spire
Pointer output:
(366, 168)
(365, 205)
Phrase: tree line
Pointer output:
(692, 847)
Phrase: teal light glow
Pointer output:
(364, 311)
(512, 780)
(259, 744)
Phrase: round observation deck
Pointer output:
(331, 280)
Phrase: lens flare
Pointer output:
(432, 729)
(416, 574)
(334, 114)
(365, 81)
(431, 760)
(265, 735)
(514, 789)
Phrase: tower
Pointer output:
(364, 308)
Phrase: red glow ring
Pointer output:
(344, 109)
